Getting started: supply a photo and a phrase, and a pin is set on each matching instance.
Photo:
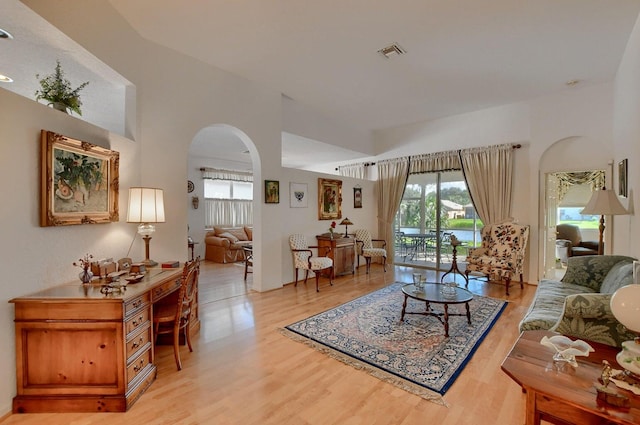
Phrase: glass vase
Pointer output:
(85, 276)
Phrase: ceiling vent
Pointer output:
(392, 50)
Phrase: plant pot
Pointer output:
(59, 106)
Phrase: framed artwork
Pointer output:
(357, 197)
(271, 192)
(622, 178)
(78, 182)
(329, 199)
(298, 195)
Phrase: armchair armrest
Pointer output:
(327, 249)
(384, 243)
(217, 241)
(477, 252)
(590, 244)
(588, 316)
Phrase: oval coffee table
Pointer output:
(432, 293)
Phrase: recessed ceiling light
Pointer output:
(572, 83)
(5, 34)
(391, 50)
(5, 79)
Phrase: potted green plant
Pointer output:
(56, 90)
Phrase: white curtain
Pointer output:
(228, 212)
(219, 174)
(392, 180)
(357, 171)
(489, 175)
(432, 162)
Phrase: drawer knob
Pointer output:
(137, 368)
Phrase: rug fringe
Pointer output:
(408, 386)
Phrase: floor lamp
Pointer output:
(146, 206)
(603, 202)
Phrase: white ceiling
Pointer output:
(462, 55)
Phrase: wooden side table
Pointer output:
(561, 394)
(454, 266)
(342, 253)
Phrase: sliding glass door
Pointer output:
(434, 207)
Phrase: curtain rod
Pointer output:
(366, 164)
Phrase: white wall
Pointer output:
(626, 142)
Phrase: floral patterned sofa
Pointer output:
(578, 304)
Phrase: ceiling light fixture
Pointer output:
(391, 50)
(5, 34)
(5, 79)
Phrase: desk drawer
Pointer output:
(166, 288)
(138, 365)
(136, 303)
(138, 341)
(138, 319)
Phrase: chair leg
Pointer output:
(331, 276)
(187, 336)
(176, 347)
(508, 281)
(296, 284)
(306, 276)
(368, 260)
(384, 263)
(358, 259)
(521, 282)
(317, 280)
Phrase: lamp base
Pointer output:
(149, 263)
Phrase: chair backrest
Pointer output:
(364, 236)
(505, 239)
(569, 232)
(300, 259)
(188, 291)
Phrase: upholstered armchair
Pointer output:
(569, 238)
(303, 259)
(365, 248)
(502, 253)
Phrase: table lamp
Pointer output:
(146, 206)
(346, 223)
(625, 306)
(603, 202)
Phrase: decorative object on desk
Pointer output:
(622, 178)
(146, 206)
(413, 355)
(271, 192)
(329, 199)
(603, 202)
(134, 278)
(138, 268)
(566, 349)
(57, 91)
(298, 197)
(332, 227)
(85, 264)
(124, 264)
(195, 202)
(625, 306)
(346, 223)
(78, 182)
(357, 197)
(171, 264)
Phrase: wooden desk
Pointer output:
(78, 350)
(561, 394)
(343, 250)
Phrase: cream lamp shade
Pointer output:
(146, 206)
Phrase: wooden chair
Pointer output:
(303, 259)
(248, 260)
(364, 247)
(174, 318)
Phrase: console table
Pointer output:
(561, 394)
(342, 253)
(79, 350)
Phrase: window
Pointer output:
(228, 203)
(228, 189)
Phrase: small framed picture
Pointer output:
(271, 192)
(298, 195)
(357, 197)
(622, 178)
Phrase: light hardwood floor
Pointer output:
(243, 371)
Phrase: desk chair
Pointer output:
(172, 318)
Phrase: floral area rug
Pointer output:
(414, 354)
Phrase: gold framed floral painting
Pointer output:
(79, 182)
(329, 199)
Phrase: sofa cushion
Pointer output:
(620, 275)
(238, 232)
(547, 306)
(229, 236)
(591, 270)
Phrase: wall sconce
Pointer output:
(195, 201)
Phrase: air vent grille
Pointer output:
(392, 50)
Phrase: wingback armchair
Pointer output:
(502, 253)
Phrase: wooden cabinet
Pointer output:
(343, 250)
(78, 350)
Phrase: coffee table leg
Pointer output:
(446, 320)
(404, 307)
(468, 313)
